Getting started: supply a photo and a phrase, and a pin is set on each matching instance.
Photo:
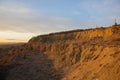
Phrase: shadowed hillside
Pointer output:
(92, 54)
(33, 66)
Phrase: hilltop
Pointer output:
(90, 54)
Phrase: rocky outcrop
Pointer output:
(92, 54)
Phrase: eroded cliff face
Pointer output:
(92, 54)
(67, 47)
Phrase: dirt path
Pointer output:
(34, 67)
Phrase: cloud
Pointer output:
(14, 9)
(25, 19)
(105, 7)
(11, 35)
(99, 11)
(18, 18)
(39, 25)
(13, 17)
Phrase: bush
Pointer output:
(25, 56)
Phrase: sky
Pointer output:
(22, 19)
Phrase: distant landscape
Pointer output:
(8, 45)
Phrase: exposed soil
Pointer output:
(33, 67)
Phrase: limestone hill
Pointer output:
(91, 54)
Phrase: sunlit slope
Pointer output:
(92, 54)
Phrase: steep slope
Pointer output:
(92, 54)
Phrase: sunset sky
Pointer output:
(22, 19)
